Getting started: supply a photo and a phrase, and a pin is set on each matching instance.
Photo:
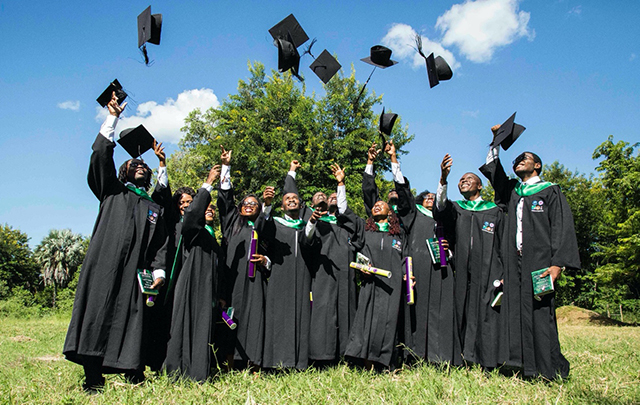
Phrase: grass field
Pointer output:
(605, 368)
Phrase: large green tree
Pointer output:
(59, 255)
(17, 267)
(271, 121)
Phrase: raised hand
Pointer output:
(445, 168)
(158, 149)
(295, 165)
(225, 156)
(316, 215)
(268, 194)
(114, 108)
(372, 153)
(495, 129)
(214, 174)
(338, 173)
(390, 148)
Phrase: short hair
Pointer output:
(178, 195)
(536, 159)
(474, 175)
(123, 173)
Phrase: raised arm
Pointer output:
(194, 216)
(290, 186)
(369, 187)
(493, 170)
(102, 177)
(226, 204)
(346, 216)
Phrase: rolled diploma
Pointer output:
(443, 254)
(227, 319)
(408, 271)
(253, 249)
(370, 269)
(150, 300)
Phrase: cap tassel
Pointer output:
(145, 55)
(355, 103)
(308, 50)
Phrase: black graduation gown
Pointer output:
(333, 285)
(110, 319)
(288, 305)
(246, 295)
(373, 333)
(477, 264)
(530, 332)
(430, 330)
(189, 351)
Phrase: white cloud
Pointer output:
(401, 40)
(70, 105)
(577, 10)
(479, 27)
(472, 114)
(165, 120)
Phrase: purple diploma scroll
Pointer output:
(443, 253)
(408, 272)
(150, 300)
(371, 269)
(227, 319)
(253, 249)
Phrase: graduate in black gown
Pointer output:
(110, 323)
(333, 285)
(288, 308)
(246, 294)
(429, 331)
(190, 352)
(477, 225)
(539, 233)
(373, 337)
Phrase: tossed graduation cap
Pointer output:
(387, 120)
(136, 141)
(379, 57)
(288, 56)
(507, 134)
(437, 68)
(325, 66)
(289, 26)
(105, 97)
(149, 27)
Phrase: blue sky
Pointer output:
(569, 68)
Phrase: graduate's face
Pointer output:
(380, 210)
(137, 172)
(428, 201)
(333, 202)
(392, 197)
(319, 201)
(291, 203)
(469, 185)
(249, 207)
(525, 165)
(185, 201)
(209, 214)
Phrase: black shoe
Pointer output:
(93, 388)
(134, 377)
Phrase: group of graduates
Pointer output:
(286, 292)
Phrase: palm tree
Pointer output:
(59, 255)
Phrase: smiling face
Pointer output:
(137, 172)
(210, 214)
(291, 205)
(525, 165)
(249, 207)
(184, 202)
(470, 186)
(319, 201)
(392, 197)
(428, 201)
(333, 202)
(380, 211)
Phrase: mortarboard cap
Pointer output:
(288, 56)
(379, 56)
(437, 69)
(149, 27)
(136, 141)
(105, 97)
(325, 66)
(386, 125)
(507, 134)
(289, 26)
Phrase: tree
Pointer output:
(271, 121)
(59, 255)
(17, 267)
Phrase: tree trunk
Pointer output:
(55, 293)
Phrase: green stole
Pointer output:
(525, 190)
(476, 205)
(424, 210)
(142, 193)
(382, 226)
(291, 223)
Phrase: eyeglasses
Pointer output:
(135, 165)
(249, 204)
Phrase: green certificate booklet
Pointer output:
(145, 279)
(541, 286)
(434, 250)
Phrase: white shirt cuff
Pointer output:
(397, 174)
(291, 173)
(225, 177)
(159, 273)
(268, 265)
(266, 210)
(207, 187)
(163, 177)
(342, 199)
(308, 230)
(108, 128)
(493, 154)
(369, 169)
(441, 196)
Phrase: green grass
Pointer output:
(604, 360)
